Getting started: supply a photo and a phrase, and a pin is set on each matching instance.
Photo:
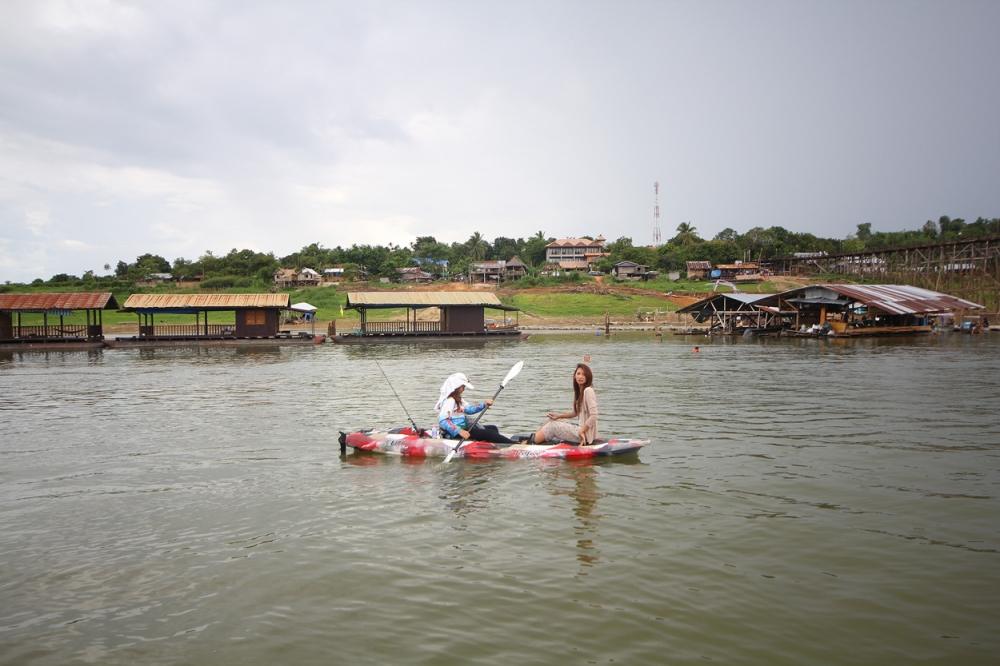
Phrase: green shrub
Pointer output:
(226, 282)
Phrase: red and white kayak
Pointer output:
(403, 442)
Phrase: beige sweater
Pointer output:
(588, 413)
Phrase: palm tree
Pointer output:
(478, 247)
(686, 233)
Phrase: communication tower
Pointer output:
(656, 213)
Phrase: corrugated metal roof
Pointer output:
(889, 298)
(422, 299)
(902, 298)
(740, 297)
(43, 302)
(205, 301)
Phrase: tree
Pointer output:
(864, 231)
(183, 268)
(505, 248)
(930, 229)
(478, 247)
(152, 263)
(727, 234)
(427, 247)
(533, 251)
(949, 227)
(619, 247)
(686, 234)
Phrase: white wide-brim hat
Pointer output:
(453, 382)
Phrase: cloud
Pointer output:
(177, 128)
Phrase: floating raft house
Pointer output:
(460, 314)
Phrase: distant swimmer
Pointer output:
(696, 349)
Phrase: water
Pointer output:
(802, 502)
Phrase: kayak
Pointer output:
(405, 442)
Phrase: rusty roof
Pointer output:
(902, 298)
(73, 301)
(422, 299)
(205, 301)
(893, 298)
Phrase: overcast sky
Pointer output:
(182, 127)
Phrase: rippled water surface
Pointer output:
(802, 502)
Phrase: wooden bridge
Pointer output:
(969, 269)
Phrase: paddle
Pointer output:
(513, 372)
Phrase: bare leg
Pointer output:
(539, 437)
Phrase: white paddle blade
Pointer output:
(451, 454)
(513, 372)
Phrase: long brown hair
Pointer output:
(456, 395)
(577, 389)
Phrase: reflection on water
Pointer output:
(457, 347)
(171, 505)
(578, 481)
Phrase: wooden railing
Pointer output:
(187, 331)
(51, 331)
(402, 327)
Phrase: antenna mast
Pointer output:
(656, 213)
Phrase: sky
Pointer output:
(183, 127)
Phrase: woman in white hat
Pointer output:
(452, 411)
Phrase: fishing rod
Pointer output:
(416, 430)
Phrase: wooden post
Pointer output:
(607, 323)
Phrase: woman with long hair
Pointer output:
(452, 411)
(556, 429)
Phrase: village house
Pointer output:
(741, 271)
(575, 254)
(289, 277)
(629, 270)
(414, 275)
(497, 271)
(698, 270)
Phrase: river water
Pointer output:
(802, 502)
